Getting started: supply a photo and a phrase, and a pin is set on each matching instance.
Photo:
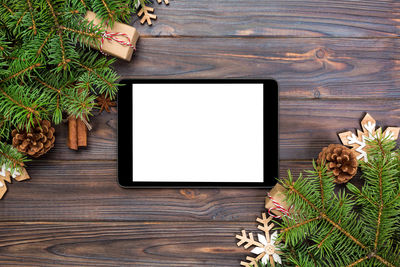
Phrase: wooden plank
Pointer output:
(311, 68)
(78, 190)
(88, 191)
(307, 126)
(123, 244)
(309, 18)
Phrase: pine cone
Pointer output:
(37, 141)
(342, 161)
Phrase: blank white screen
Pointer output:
(197, 132)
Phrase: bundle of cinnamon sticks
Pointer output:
(77, 133)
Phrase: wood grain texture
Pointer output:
(307, 126)
(333, 60)
(87, 191)
(274, 18)
(311, 68)
(122, 244)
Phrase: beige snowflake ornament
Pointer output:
(165, 1)
(7, 173)
(265, 247)
(147, 16)
(358, 142)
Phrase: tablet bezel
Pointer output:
(124, 133)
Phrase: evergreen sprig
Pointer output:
(46, 68)
(11, 158)
(351, 228)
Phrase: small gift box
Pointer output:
(275, 203)
(118, 41)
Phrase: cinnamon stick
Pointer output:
(81, 133)
(72, 140)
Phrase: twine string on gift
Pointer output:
(278, 207)
(113, 36)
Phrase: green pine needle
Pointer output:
(352, 227)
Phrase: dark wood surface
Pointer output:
(334, 61)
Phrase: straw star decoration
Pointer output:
(265, 248)
(358, 142)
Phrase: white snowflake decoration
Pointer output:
(265, 248)
(269, 248)
(358, 142)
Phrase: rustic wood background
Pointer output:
(333, 60)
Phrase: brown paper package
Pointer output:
(278, 194)
(111, 47)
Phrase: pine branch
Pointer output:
(326, 224)
(19, 65)
(10, 157)
(31, 13)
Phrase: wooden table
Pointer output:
(333, 60)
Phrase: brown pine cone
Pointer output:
(342, 161)
(37, 141)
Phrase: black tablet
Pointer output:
(198, 133)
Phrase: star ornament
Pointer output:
(105, 103)
(265, 247)
(358, 142)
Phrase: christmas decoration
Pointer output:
(275, 202)
(341, 160)
(266, 248)
(105, 103)
(147, 16)
(165, 1)
(11, 164)
(146, 11)
(358, 142)
(43, 73)
(118, 41)
(354, 227)
(77, 133)
(19, 175)
(36, 141)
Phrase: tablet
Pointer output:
(198, 133)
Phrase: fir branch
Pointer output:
(31, 13)
(300, 224)
(358, 261)
(83, 3)
(39, 51)
(29, 109)
(19, 73)
(110, 14)
(341, 229)
(65, 61)
(20, 19)
(324, 224)
(8, 8)
(93, 35)
(53, 13)
(10, 157)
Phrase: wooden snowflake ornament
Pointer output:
(147, 16)
(265, 248)
(7, 173)
(358, 142)
(165, 1)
